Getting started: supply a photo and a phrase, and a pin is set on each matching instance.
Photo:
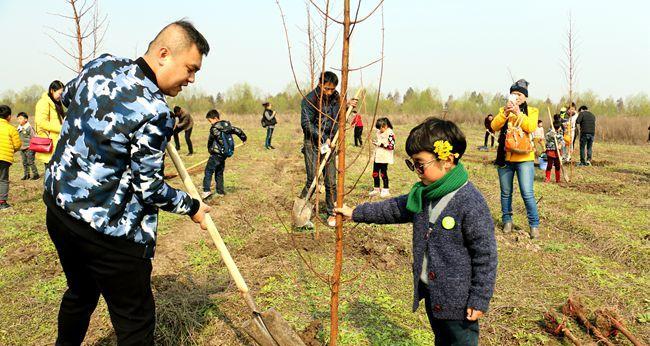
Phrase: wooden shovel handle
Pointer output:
(212, 229)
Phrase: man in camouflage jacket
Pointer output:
(104, 184)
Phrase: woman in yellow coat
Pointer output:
(513, 163)
(49, 115)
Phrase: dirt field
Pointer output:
(595, 243)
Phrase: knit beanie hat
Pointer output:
(521, 86)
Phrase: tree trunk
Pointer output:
(340, 184)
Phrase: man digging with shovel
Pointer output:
(104, 184)
(318, 119)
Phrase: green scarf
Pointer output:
(453, 180)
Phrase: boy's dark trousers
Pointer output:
(216, 165)
(28, 161)
(4, 180)
(311, 153)
(91, 270)
(358, 131)
(450, 332)
(188, 140)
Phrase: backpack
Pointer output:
(227, 148)
(516, 140)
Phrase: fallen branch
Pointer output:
(559, 329)
(574, 308)
(609, 321)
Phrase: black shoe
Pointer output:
(4, 206)
(25, 177)
(36, 176)
(270, 146)
(190, 154)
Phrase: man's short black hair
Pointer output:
(328, 77)
(557, 124)
(192, 36)
(177, 109)
(423, 137)
(213, 114)
(22, 114)
(5, 111)
(583, 108)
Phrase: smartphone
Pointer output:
(512, 98)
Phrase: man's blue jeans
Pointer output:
(525, 172)
(269, 136)
(586, 140)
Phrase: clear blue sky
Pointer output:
(454, 46)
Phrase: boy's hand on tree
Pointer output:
(199, 217)
(353, 103)
(473, 314)
(345, 211)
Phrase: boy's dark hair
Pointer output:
(583, 108)
(381, 122)
(423, 136)
(328, 77)
(5, 111)
(213, 114)
(177, 109)
(557, 124)
(22, 114)
(556, 116)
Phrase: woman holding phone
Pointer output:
(511, 162)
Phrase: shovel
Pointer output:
(267, 328)
(191, 168)
(302, 207)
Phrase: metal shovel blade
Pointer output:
(270, 329)
(301, 213)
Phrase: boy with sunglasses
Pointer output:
(454, 248)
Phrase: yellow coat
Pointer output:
(47, 124)
(9, 141)
(528, 125)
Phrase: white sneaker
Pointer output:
(374, 192)
(206, 194)
(384, 193)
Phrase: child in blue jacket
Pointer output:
(454, 248)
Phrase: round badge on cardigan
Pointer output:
(448, 222)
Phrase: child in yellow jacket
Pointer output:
(9, 144)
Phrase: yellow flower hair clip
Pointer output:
(443, 150)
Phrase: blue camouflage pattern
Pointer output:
(108, 166)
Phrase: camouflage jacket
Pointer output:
(107, 169)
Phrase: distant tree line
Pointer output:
(246, 99)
